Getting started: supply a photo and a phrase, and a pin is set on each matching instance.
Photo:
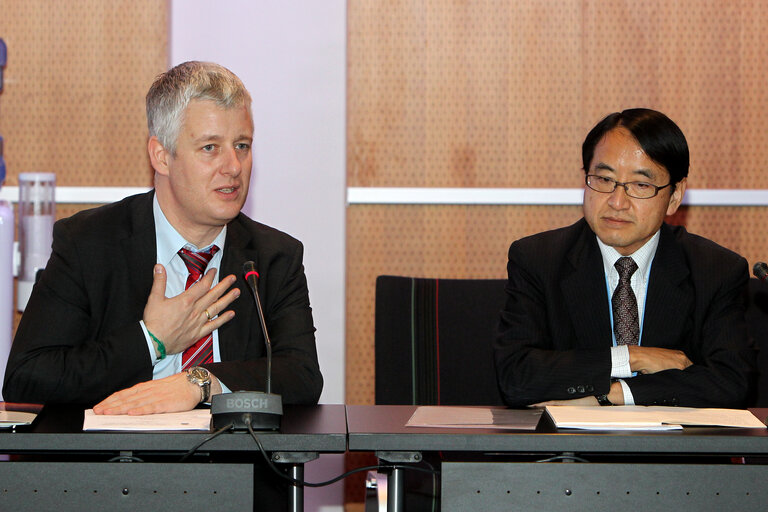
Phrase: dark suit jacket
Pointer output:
(555, 331)
(79, 339)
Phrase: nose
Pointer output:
(618, 199)
(231, 164)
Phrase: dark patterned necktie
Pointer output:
(202, 351)
(625, 319)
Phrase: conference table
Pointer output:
(54, 465)
(699, 468)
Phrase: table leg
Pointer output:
(396, 491)
(296, 498)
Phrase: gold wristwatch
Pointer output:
(200, 377)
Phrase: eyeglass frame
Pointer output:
(624, 185)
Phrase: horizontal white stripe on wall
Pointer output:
(422, 195)
(532, 196)
(87, 195)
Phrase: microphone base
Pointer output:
(264, 409)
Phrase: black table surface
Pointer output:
(382, 428)
(315, 428)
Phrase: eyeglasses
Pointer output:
(636, 189)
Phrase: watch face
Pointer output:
(199, 374)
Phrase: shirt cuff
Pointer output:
(150, 344)
(620, 368)
(628, 398)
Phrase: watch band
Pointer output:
(603, 400)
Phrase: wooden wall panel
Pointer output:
(501, 94)
(74, 87)
(77, 74)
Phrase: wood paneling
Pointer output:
(74, 87)
(73, 98)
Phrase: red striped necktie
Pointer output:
(202, 351)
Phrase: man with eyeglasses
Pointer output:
(621, 308)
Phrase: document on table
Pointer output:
(636, 417)
(474, 417)
(196, 419)
(13, 414)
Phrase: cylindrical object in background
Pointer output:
(6, 272)
(37, 212)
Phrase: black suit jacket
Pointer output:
(555, 331)
(79, 339)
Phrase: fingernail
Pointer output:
(158, 269)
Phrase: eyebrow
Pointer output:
(648, 173)
(216, 138)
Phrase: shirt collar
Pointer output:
(643, 256)
(169, 241)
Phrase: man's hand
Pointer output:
(171, 394)
(654, 359)
(615, 395)
(182, 320)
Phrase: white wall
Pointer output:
(291, 56)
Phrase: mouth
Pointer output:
(615, 221)
(227, 190)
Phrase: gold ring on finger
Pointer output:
(207, 314)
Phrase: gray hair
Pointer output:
(172, 91)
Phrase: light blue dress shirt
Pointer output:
(169, 242)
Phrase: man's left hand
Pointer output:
(171, 394)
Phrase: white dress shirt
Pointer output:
(643, 257)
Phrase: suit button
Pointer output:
(571, 390)
(590, 388)
(580, 389)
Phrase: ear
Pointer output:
(158, 156)
(677, 196)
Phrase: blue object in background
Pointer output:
(3, 60)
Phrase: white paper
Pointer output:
(13, 418)
(474, 417)
(196, 419)
(636, 417)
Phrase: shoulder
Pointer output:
(265, 238)
(700, 251)
(110, 221)
(551, 247)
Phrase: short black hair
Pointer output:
(661, 139)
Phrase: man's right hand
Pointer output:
(181, 320)
(655, 359)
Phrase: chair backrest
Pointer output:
(434, 340)
(757, 321)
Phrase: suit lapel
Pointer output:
(237, 250)
(585, 292)
(667, 294)
(140, 250)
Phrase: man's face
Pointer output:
(208, 176)
(620, 221)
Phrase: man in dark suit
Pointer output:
(120, 319)
(621, 308)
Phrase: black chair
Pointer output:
(434, 340)
(434, 346)
(757, 321)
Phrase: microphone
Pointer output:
(249, 271)
(259, 410)
(760, 270)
